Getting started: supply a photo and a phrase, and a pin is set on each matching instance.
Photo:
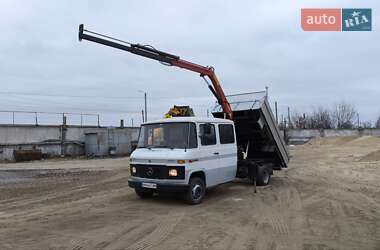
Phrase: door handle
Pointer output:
(216, 153)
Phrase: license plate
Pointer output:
(149, 185)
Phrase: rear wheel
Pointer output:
(263, 175)
(143, 192)
(196, 191)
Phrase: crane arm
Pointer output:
(163, 57)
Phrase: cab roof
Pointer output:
(190, 119)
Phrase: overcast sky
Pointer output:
(251, 44)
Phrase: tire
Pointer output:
(196, 191)
(144, 193)
(263, 176)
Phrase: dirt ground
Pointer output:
(329, 198)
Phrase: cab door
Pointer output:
(227, 152)
(209, 153)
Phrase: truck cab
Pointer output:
(183, 154)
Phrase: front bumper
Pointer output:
(160, 186)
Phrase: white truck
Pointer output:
(190, 154)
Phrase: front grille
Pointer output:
(157, 171)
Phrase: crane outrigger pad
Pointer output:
(255, 126)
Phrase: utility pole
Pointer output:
(63, 134)
(285, 133)
(142, 114)
(289, 117)
(145, 117)
(146, 111)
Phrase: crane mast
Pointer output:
(165, 58)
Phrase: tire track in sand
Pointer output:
(282, 213)
(163, 229)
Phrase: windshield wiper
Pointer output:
(162, 146)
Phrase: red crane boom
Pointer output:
(163, 57)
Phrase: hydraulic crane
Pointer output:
(164, 58)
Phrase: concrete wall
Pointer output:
(76, 133)
(373, 132)
(100, 142)
(49, 139)
(28, 134)
(299, 133)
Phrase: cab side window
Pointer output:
(207, 134)
(226, 133)
(193, 140)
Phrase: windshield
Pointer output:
(168, 135)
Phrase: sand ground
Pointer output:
(329, 198)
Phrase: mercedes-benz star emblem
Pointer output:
(149, 171)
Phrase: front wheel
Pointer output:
(144, 193)
(196, 191)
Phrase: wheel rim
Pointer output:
(196, 191)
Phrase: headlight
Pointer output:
(173, 172)
(133, 170)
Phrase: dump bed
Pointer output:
(256, 128)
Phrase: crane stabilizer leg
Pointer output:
(163, 57)
(211, 89)
(222, 97)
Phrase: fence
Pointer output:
(37, 117)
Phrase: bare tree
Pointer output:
(343, 115)
(321, 118)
